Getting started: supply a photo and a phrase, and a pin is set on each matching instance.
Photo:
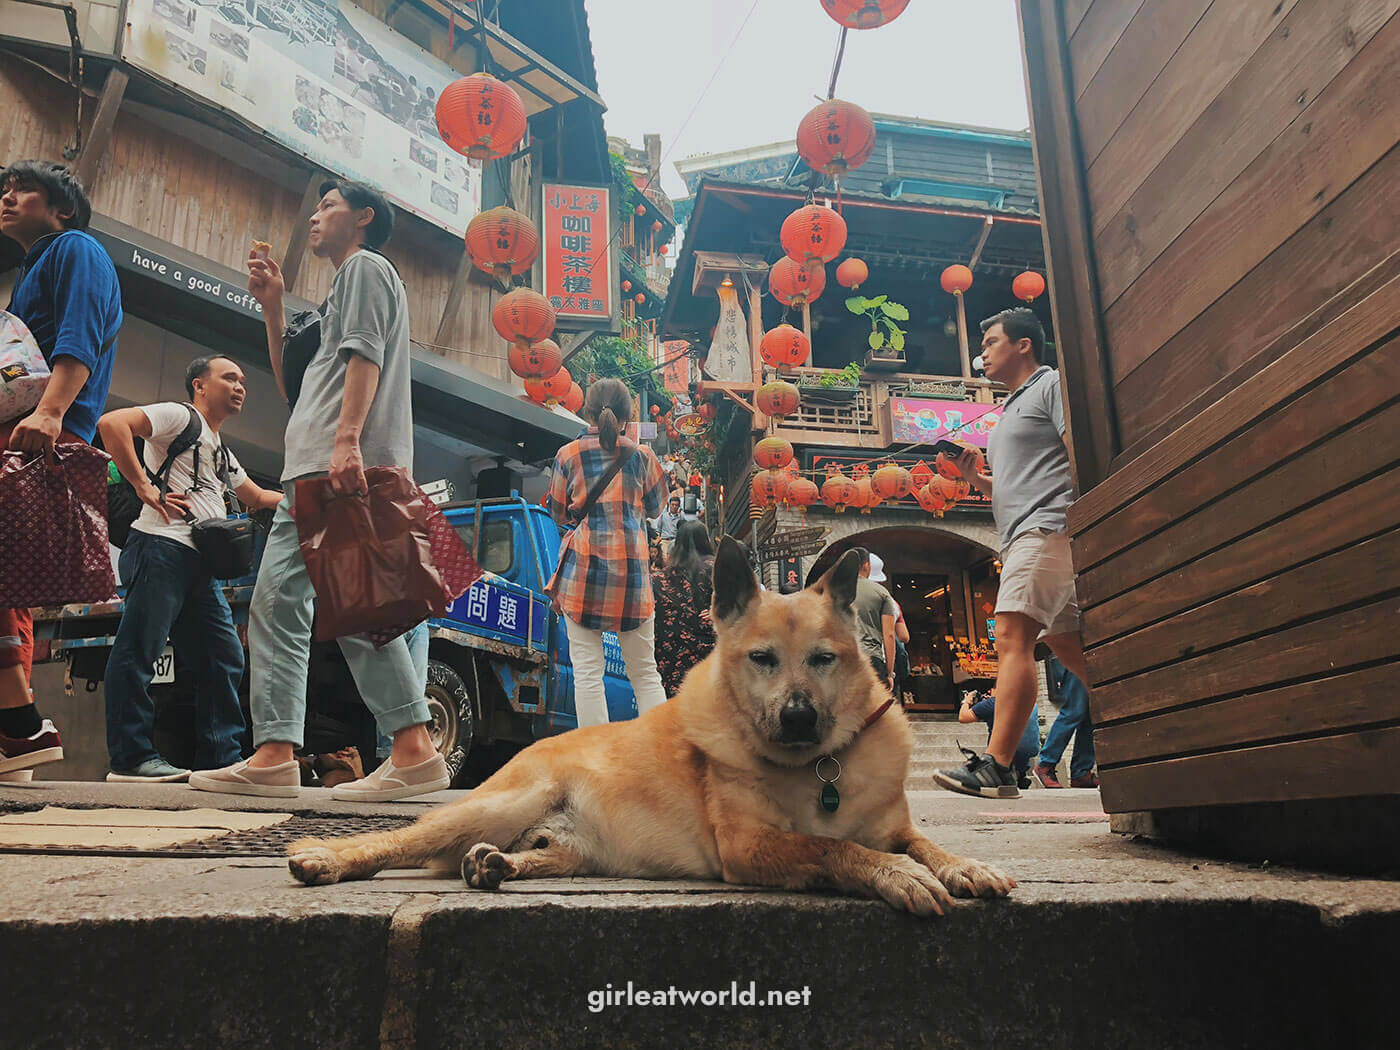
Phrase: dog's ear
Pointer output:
(840, 582)
(735, 584)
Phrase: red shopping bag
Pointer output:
(379, 563)
(53, 517)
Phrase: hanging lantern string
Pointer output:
(681, 130)
(836, 66)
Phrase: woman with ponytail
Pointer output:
(604, 488)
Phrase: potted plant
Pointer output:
(886, 337)
(837, 386)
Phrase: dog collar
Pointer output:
(829, 797)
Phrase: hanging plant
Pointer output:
(882, 313)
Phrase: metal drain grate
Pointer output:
(260, 842)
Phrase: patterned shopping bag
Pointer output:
(53, 515)
(23, 371)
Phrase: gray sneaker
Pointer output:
(389, 782)
(151, 771)
(282, 781)
(982, 776)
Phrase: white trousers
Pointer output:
(639, 656)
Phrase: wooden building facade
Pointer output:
(1221, 197)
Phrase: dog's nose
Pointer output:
(798, 719)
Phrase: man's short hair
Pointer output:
(358, 196)
(61, 187)
(199, 369)
(1019, 323)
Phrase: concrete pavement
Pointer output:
(1108, 942)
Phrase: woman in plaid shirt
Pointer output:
(603, 582)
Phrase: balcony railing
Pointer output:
(864, 421)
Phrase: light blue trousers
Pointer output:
(279, 647)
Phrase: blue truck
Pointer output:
(499, 673)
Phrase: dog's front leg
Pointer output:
(766, 856)
(962, 876)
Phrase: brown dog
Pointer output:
(720, 783)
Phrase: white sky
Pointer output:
(953, 60)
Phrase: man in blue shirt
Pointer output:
(67, 294)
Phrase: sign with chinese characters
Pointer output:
(578, 253)
(326, 79)
(499, 610)
(789, 575)
(917, 419)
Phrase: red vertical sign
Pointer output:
(578, 251)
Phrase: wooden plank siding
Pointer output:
(1239, 555)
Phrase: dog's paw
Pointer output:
(907, 885)
(315, 865)
(972, 878)
(485, 867)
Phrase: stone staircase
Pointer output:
(936, 739)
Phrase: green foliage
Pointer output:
(845, 377)
(618, 358)
(882, 314)
(627, 196)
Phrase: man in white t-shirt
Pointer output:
(170, 594)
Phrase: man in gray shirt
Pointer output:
(1035, 598)
(353, 411)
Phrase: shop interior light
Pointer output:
(935, 594)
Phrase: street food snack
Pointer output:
(261, 250)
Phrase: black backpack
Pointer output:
(123, 505)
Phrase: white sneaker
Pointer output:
(281, 781)
(389, 782)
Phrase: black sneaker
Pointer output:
(983, 776)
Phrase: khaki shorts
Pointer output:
(1037, 580)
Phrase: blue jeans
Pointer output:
(279, 639)
(1028, 746)
(1073, 721)
(171, 596)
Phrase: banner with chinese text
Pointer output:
(578, 252)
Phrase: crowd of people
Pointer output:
(636, 558)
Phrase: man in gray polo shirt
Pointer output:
(1035, 599)
(353, 411)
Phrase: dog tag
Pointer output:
(830, 798)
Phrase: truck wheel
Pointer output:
(450, 707)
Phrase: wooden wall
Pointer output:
(1221, 191)
(184, 193)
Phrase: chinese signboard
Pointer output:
(324, 78)
(918, 419)
(500, 611)
(675, 377)
(578, 252)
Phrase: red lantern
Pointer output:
(573, 400)
(864, 14)
(861, 495)
(626, 286)
(656, 226)
(1028, 286)
(480, 117)
(892, 482)
(523, 316)
(802, 492)
(813, 235)
(639, 298)
(777, 399)
(947, 468)
(950, 490)
(502, 242)
(930, 499)
(852, 273)
(768, 487)
(536, 361)
(641, 209)
(551, 389)
(772, 453)
(836, 137)
(663, 249)
(838, 492)
(785, 347)
(956, 279)
(655, 411)
(793, 285)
